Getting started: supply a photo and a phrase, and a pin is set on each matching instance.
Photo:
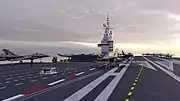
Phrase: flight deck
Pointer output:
(139, 79)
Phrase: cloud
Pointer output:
(52, 22)
(52, 47)
(175, 17)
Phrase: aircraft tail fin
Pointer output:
(123, 53)
(8, 52)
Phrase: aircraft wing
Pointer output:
(9, 55)
(108, 58)
(24, 58)
(64, 55)
(2, 59)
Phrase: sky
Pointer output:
(75, 26)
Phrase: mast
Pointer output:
(107, 40)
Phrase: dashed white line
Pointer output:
(33, 80)
(45, 78)
(54, 75)
(62, 74)
(15, 80)
(23, 78)
(14, 97)
(8, 78)
(69, 72)
(4, 76)
(79, 73)
(29, 77)
(50, 84)
(35, 76)
(92, 68)
(20, 76)
(7, 81)
(2, 88)
(18, 84)
(29, 74)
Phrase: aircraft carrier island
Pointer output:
(109, 76)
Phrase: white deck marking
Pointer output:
(170, 64)
(162, 59)
(29, 74)
(33, 80)
(85, 90)
(29, 77)
(7, 81)
(88, 88)
(18, 84)
(45, 78)
(20, 76)
(62, 74)
(104, 95)
(15, 80)
(53, 83)
(13, 98)
(167, 63)
(79, 73)
(170, 67)
(92, 68)
(8, 78)
(2, 88)
(171, 74)
(147, 65)
(23, 78)
(54, 75)
(176, 61)
(150, 66)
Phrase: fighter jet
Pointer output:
(125, 56)
(169, 55)
(108, 57)
(161, 55)
(112, 60)
(147, 54)
(10, 56)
